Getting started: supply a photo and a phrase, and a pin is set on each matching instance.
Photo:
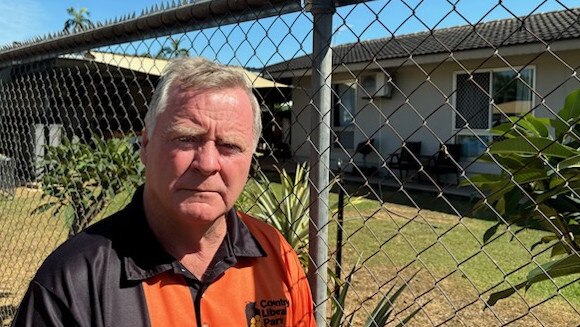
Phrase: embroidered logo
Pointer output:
(266, 313)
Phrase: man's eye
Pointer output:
(231, 147)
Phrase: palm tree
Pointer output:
(173, 50)
(79, 20)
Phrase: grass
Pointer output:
(393, 239)
(26, 239)
(458, 271)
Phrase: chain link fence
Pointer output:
(441, 140)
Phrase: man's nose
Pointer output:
(206, 159)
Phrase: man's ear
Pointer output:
(143, 148)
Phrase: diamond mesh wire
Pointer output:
(403, 74)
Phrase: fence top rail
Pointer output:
(182, 17)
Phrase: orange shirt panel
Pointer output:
(169, 301)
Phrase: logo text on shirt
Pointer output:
(266, 313)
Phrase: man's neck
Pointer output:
(194, 245)
(197, 257)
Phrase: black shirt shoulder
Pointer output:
(78, 259)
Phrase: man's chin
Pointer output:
(202, 211)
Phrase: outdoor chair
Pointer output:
(445, 161)
(407, 159)
(365, 148)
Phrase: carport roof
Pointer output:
(154, 66)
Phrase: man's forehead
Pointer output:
(188, 113)
(235, 96)
(178, 88)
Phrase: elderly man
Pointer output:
(178, 254)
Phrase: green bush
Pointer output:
(286, 206)
(79, 178)
(540, 184)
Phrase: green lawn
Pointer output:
(445, 247)
(457, 271)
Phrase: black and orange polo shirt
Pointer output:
(115, 273)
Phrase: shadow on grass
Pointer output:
(408, 195)
(456, 205)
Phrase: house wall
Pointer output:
(421, 109)
(300, 118)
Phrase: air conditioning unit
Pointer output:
(376, 85)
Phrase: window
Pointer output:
(343, 104)
(343, 112)
(486, 99)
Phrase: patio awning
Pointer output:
(154, 66)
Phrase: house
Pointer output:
(104, 94)
(447, 85)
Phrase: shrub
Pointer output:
(284, 207)
(539, 183)
(79, 178)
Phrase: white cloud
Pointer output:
(21, 20)
(344, 27)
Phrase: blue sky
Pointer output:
(23, 19)
(270, 42)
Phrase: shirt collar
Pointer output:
(143, 256)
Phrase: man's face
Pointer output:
(199, 155)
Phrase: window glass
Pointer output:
(512, 96)
(471, 146)
(345, 138)
(343, 101)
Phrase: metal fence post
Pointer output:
(339, 229)
(322, 11)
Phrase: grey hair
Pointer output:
(200, 74)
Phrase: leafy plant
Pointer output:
(540, 182)
(382, 312)
(80, 178)
(285, 206)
